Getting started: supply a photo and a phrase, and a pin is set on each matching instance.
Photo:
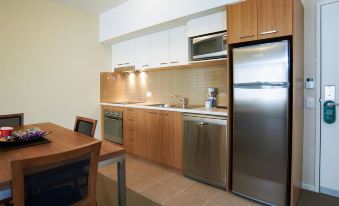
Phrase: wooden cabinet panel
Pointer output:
(274, 18)
(242, 21)
(134, 132)
(164, 136)
(154, 129)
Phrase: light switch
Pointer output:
(310, 103)
(309, 83)
(149, 94)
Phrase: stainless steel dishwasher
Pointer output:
(205, 149)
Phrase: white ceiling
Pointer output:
(97, 6)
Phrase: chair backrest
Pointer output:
(11, 120)
(31, 177)
(85, 126)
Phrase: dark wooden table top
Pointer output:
(62, 140)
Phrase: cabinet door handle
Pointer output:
(146, 65)
(127, 63)
(269, 32)
(163, 63)
(176, 62)
(120, 64)
(246, 36)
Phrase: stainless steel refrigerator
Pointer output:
(261, 122)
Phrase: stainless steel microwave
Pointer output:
(210, 46)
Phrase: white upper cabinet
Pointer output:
(160, 49)
(207, 24)
(178, 45)
(123, 54)
(142, 52)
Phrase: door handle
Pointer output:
(201, 124)
(269, 32)
(333, 104)
(247, 36)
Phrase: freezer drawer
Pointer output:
(261, 143)
(205, 149)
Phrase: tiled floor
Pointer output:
(166, 187)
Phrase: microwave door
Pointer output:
(208, 47)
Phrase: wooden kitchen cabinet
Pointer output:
(153, 134)
(242, 21)
(164, 142)
(134, 131)
(274, 18)
(251, 20)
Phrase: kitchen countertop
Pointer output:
(202, 110)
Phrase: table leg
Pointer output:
(122, 182)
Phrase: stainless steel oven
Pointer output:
(113, 126)
(210, 46)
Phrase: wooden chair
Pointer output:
(49, 178)
(12, 120)
(85, 126)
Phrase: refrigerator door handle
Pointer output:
(262, 85)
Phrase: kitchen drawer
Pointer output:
(130, 113)
(130, 123)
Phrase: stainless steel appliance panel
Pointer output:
(210, 46)
(113, 126)
(205, 149)
(261, 133)
(261, 63)
(260, 143)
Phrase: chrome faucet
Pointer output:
(181, 99)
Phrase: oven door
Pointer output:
(113, 129)
(209, 46)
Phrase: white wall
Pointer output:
(50, 62)
(310, 115)
(135, 15)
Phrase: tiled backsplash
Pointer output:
(191, 83)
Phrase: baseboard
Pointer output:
(308, 187)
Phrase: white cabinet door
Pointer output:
(160, 49)
(142, 52)
(127, 52)
(207, 24)
(178, 45)
(123, 54)
(117, 60)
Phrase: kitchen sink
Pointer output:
(175, 106)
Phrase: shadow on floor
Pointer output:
(308, 198)
(107, 194)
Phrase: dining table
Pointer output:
(62, 140)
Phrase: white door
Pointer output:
(142, 52)
(160, 49)
(178, 45)
(329, 40)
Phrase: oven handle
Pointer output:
(114, 119)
